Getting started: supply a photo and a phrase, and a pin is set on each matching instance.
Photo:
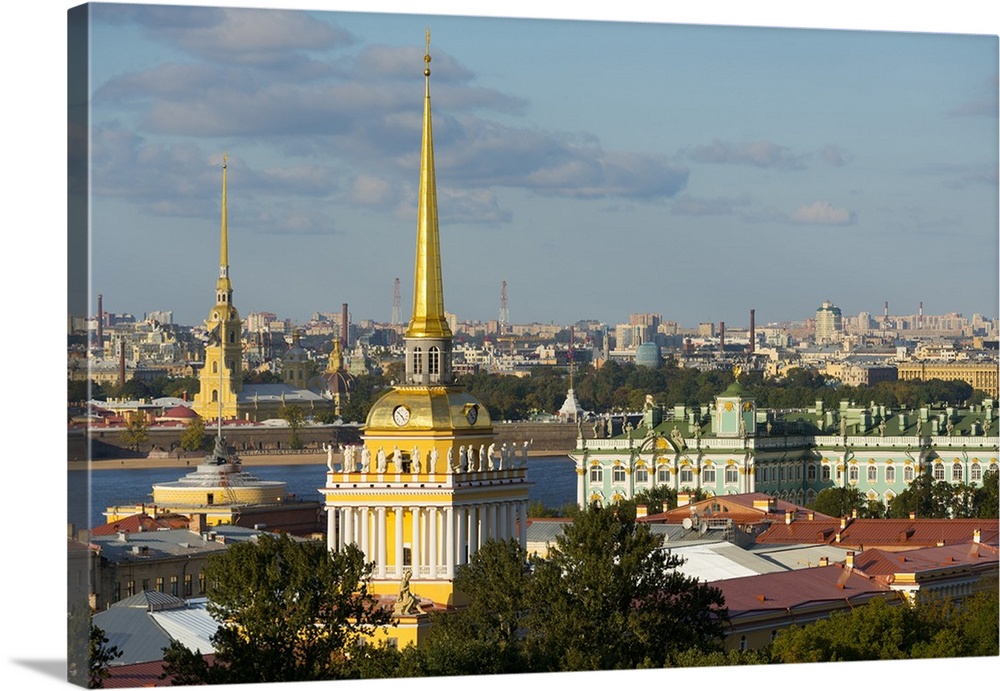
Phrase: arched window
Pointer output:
(825, 474)
(939, 471)
(811, 473)
(708, 475)
(215, 396)
(618, 474)
(687, 476)
(641, 476)
(434, 360)
(852, 474)
(596, 474)
(956, 472)
(976, 473)
(873, 473)
(663, 474)
(732, 475)
(908, 474)
(418, 361)
(215, 368)
(890, 474)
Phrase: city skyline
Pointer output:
(606, 168)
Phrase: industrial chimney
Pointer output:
(722, 337)
(344, 328)
(753, 339)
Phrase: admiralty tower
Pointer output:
(427, 486)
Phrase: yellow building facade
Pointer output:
(428, 485)
(982, 376)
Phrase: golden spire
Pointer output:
(428, 320)
(224, 284)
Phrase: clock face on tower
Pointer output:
(401, 415)
(472, 415)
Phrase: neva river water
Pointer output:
(553, 481)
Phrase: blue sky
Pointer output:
(599, 168)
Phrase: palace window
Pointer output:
(687, 477)
(852, 474)
(641, 476)
(890, 474)
(976, 473)
(873, 473)
(908, 474)
(708, 475)
(939, 471)
(825, 475)
(418, 361)
(732, 475)
(956, 472)
(663, 474)
(434, 360)
(618, 474)
(596, 473)
(811, 473)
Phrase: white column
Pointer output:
(463, 534)
(449, 542)
(581, 472)
(365, 547)
(415, 538)
(492, 534)
(348, 538)
(473, 531)
(399, 542)
(331, 528)
(523, 528)
(432, 540)
(381, 549)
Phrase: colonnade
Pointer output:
(440, 538)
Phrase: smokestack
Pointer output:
(100, 321)
(753, 339)
(722, 337)
(121, 362)
(920, 316)
(344, 328)
(850, 560)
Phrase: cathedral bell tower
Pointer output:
(221, 377)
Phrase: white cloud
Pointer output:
(823, 213)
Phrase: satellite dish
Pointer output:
(703, 528)
(687, 523)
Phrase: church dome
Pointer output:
(648, 355)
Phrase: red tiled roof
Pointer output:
(879, 562)
(897, 533)
(789, 589)
(139, 675)
(738, 507)
(179, 411)
(141, 522)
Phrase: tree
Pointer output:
(193, 437)
(291, 611)
(100, 658)
(136, 433)
(294, 416)
(608, 597)
(839, 501)
(987, 498)
(486, 636)
(926, 497)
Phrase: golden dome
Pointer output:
(428, 408)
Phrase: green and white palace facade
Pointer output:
(731, 447)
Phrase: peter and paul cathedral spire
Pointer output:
(221, 377)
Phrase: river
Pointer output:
(553, 481)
